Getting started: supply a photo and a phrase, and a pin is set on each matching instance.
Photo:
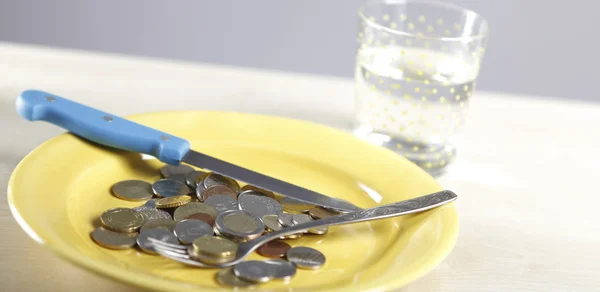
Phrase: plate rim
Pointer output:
(67, 254)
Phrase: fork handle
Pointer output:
(415, 205)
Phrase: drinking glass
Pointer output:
(416, 67)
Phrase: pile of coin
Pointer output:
(210, 214)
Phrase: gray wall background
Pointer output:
(536, 47)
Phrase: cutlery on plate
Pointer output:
(419, 204)
(113, 131)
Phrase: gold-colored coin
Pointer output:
(240, 223)
(159, 223)
(319, 231)
(294, 206)
(193, 208)
(227, 277)
(198, 256)
(271, 223)
(113, 240)
(133, 190)
(215, 246)
(257, 189)
(238, 239)
(320, 213)
(121, 219)
(213, 249)
(171, 202)
(293, 236)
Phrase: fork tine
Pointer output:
(169, 249)
(171, 253)
(181, 258)
(178, 251)
(167, 245)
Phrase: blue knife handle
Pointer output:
(101, 127)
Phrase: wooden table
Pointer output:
(526, 174)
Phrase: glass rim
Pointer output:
(445, 5)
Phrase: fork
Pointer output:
(180, 252)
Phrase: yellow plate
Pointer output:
(59, 190)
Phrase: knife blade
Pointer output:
(266, 182)
(113, 131)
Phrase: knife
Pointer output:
(113, 131)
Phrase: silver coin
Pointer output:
(259, 205)
(141, 208)
(169, 170)
(163, 235)
(150, 213)
(254, 271)
(252, 192)
(305, 257)
(300, 219)
(132, 190)
(166, 224)
(258, 190)
(113, 240)
(227, 278)
(285, 219)
(200, 192)
(191, 177)
(238, 225)
(189, 229)
(214, 179)
(283, 270)
(182, 177)
(151, 203)
(222, 203)
(271, 223)
(217, 233)
(170, 188)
